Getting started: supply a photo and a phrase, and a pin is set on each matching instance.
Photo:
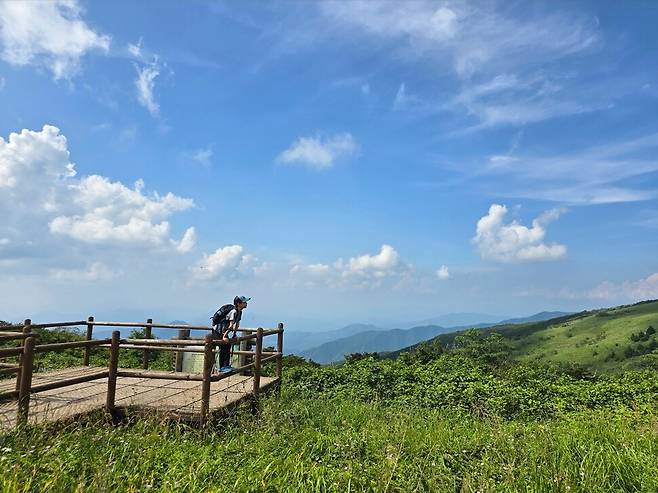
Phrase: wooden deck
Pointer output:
(178, 398)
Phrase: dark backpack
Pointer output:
(220, 315)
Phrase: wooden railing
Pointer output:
(211, 346)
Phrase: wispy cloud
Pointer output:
(145, 84)
(202, 156)
(502, 58)
(595, 175)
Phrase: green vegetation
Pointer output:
(459, 416)
(303, 445)
(610, 339)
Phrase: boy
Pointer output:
(231, 323)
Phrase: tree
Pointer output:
(492, 349)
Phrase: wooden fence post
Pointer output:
(148, 330)
(113, 368)
(27, 364)
(279, 349)
(90, 329)
(208, 358)
(257, 358)
(183, 334)
(26, 330)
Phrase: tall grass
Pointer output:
(308, 445)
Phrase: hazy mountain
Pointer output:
(537, 317)
(456, 320)
(337, 344)
(298, 341)
(371, 341)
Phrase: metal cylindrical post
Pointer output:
(27, 364)
(112, 370)
(279, 349)
(208, 357)
(148, 334)
(90, 330)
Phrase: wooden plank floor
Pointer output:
(178, 397)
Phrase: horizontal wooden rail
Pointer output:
(9, 370)
(7, 336)
(69, 381)
(164, 342)
(158, 348)
(59, 324)
(163, 375)
(270, 358)
(251, 353)
(154, 325)
(10, 351)
(60, 346)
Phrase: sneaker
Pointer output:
(226, 369)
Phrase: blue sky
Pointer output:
(337, 161)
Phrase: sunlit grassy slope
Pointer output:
(598, 338)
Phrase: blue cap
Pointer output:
(240, 299)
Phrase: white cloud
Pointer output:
(95, 272)
(443, 273)
(642, 289)
(364, 271)
(145, 84)
(386, 259)
(318, 152)
(227, 262)
(479, 42)
(476, 37)
(595, 175)
(313, 269)
(41, 194)
(187, 242)
(51, 34)
(403, 100)
(110, 212)
(514, 242)
(202, 156)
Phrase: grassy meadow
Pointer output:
(316, 445)
(482, 413)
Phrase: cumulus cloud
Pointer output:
(51, 34)
(642, 289)
(514, 242)
(318, 152)
(386, 259)
(367, 270)
(187, 242)
(226, 262)
(41, 193)
(145, 84)
(443, 273)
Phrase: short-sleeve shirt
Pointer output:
(233, 316)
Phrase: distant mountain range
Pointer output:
(354, 339)
(606, 339)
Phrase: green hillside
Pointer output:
(610, 339)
